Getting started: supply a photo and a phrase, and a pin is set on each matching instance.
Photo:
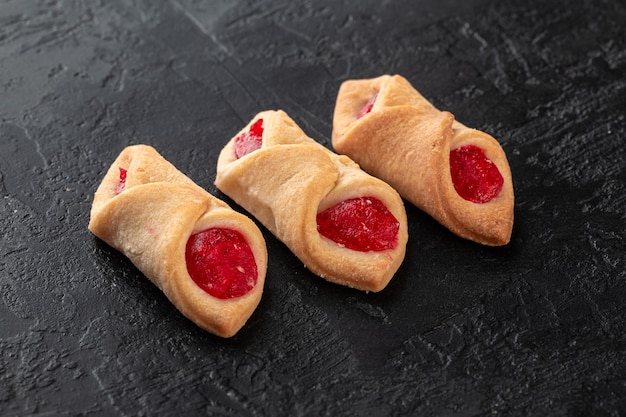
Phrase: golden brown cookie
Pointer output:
(458, 175)
(209, 260)
(343, 224)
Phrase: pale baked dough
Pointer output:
(286, 182)
(150, 222)
(406, 142)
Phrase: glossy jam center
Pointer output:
(122, 181)
(249, 141)
(363, 224)
(368, 107)
(475, 177)
(221, 262)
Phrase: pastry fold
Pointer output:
(292, 178)
(406, 141)
(149, 213)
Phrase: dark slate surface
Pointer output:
(534, 328)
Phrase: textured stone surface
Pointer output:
(533, 328)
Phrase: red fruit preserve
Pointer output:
(475, 177)
(122, 181)
(221, 262)
(362, 224)
(368, 107)
(249, 141)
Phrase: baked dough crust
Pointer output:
(406, 141)
(150, 222)
(291, 178)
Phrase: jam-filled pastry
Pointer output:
(209, 260)
(460, 176)
(343, 224)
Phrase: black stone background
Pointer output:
(536, 328)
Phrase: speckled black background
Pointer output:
(536, 328)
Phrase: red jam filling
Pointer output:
(221, 262)
(362, 224)
(249, 141)
(368, 107)
(475, 177)
(122, 181)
